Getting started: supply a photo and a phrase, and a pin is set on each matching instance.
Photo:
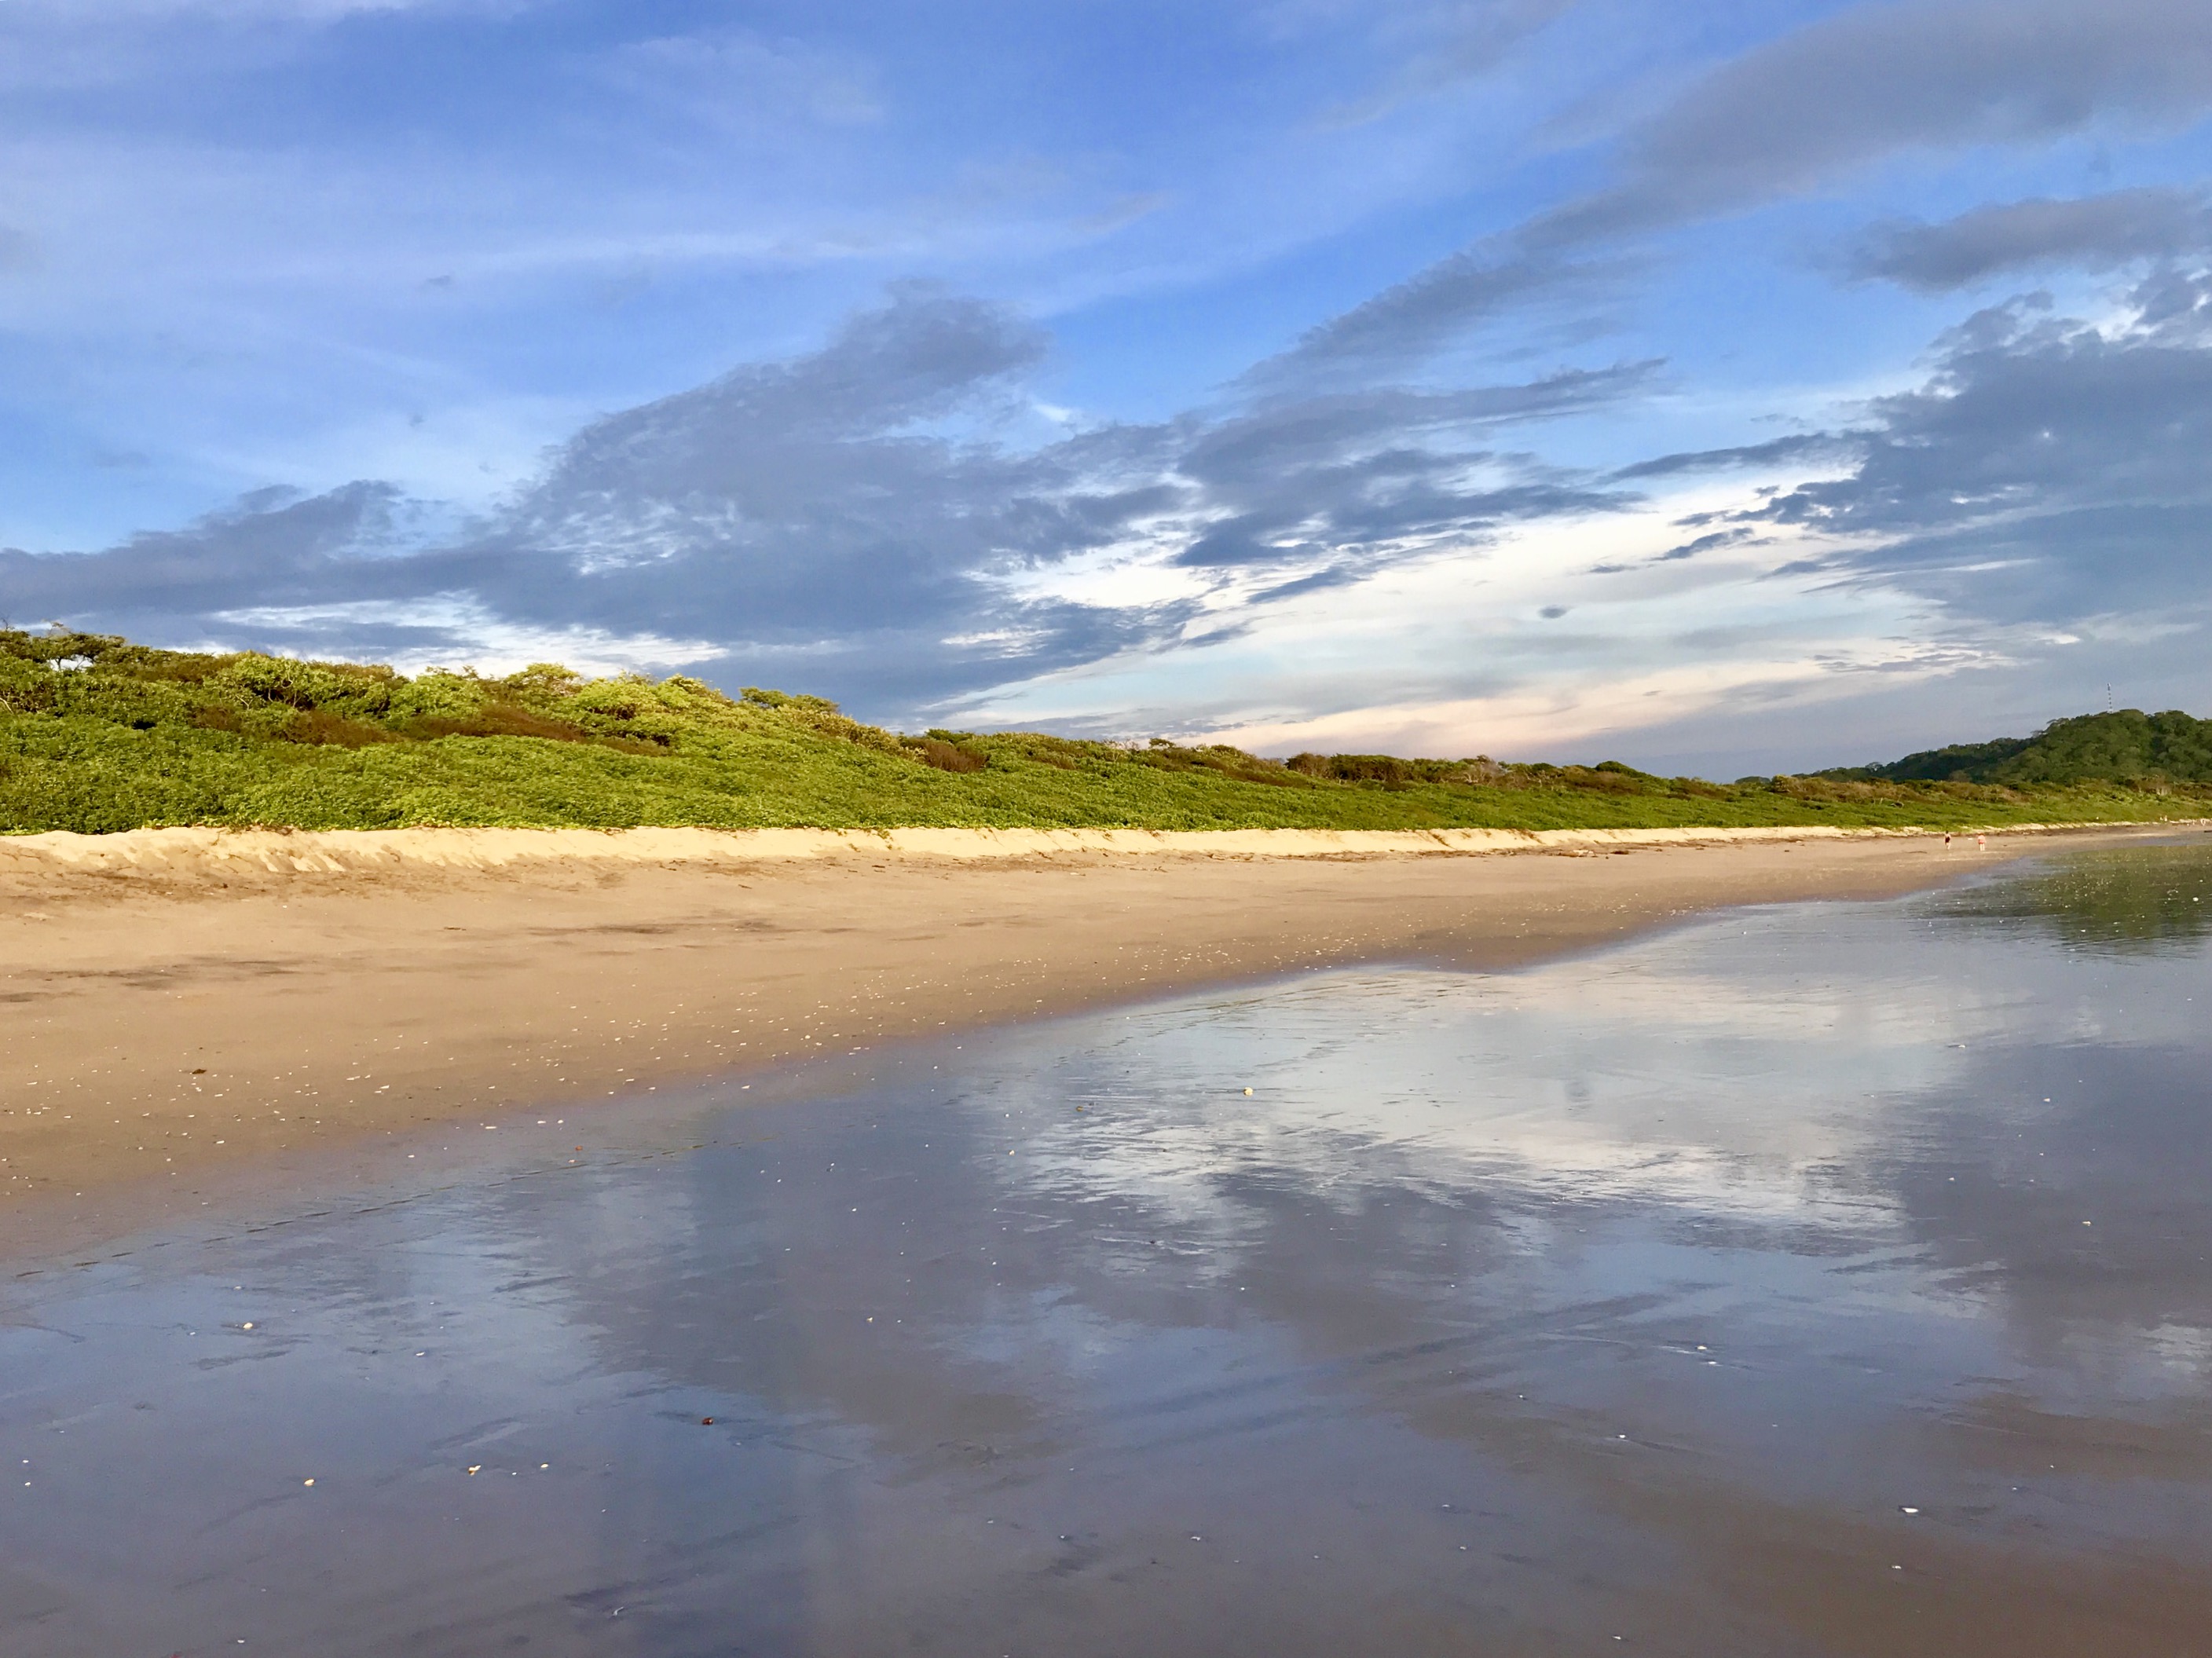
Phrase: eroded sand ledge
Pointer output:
(180, 1008)
(186, 851)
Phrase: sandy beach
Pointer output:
(183, 1008)
(473, 1242)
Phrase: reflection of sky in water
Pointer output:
(1640, 1294)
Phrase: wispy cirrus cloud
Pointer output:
(1397, 332)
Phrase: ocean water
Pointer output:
(1811, 1279)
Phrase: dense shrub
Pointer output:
(946, 756)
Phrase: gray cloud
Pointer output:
(1357, 474)
(2093, 232)
(1876, 81)
(273, 548)
(765, 493)
(1799, 446)
(846, 522)
(2051, 471)
(1712, 541)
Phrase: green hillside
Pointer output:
(98, 735)
(2128, 746)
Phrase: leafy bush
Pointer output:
(946, 756)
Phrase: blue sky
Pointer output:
(1730, 388)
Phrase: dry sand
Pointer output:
(181, 1007)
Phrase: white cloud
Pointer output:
(465, 632)
(1454, 653)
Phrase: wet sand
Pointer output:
(1818, 1281)
(178, 1023)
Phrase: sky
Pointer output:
(1729, 388)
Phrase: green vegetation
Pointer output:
(98, 735)
(2146, 750)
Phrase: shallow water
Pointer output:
(1820, 1279)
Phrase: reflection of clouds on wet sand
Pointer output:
(1771, 1066)
(1629, 1081)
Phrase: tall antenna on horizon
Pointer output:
(2108, 697)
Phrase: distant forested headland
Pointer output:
(2128, 746)
(98, 734)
